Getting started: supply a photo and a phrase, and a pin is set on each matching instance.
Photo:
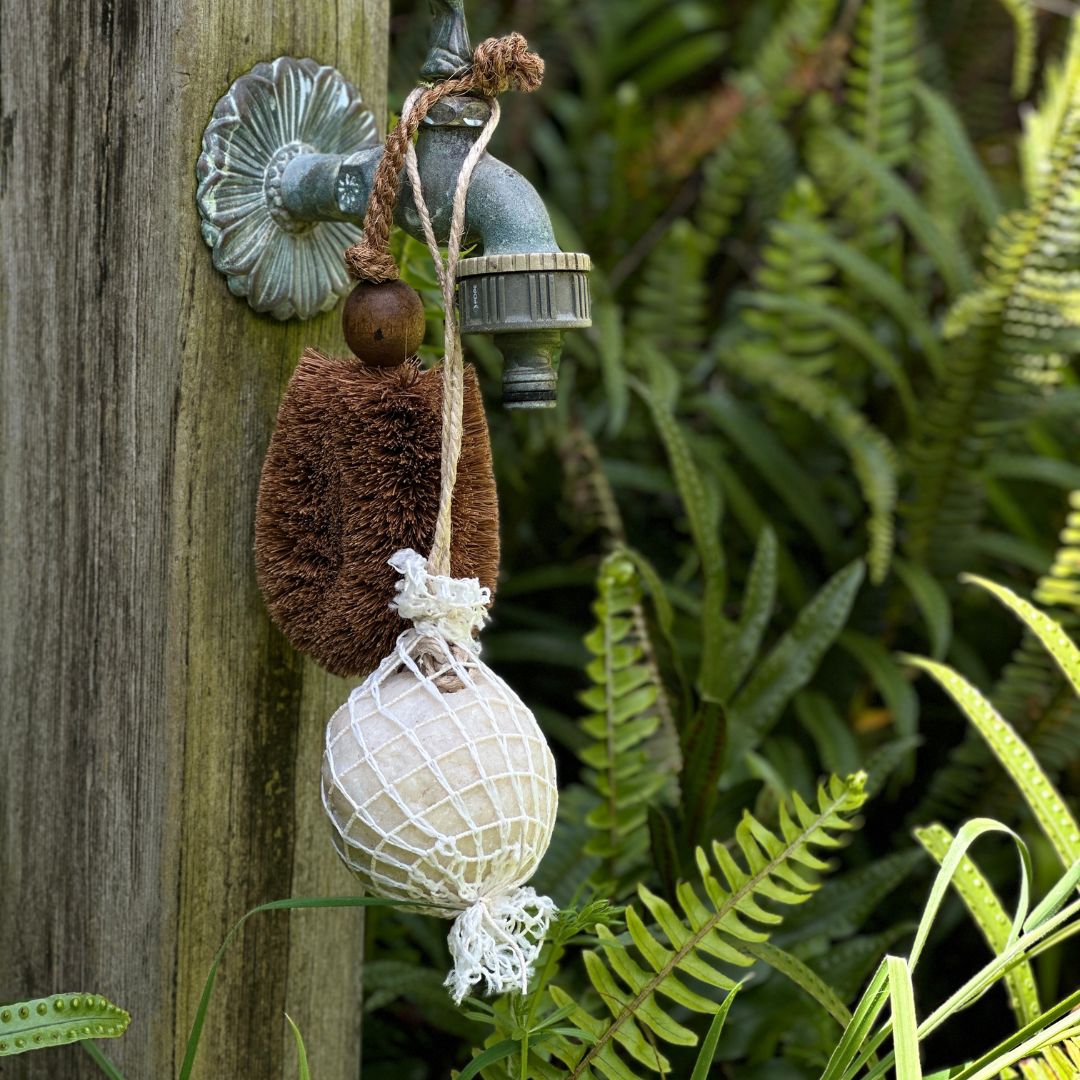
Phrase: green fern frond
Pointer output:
(758, 143)
(593, 497)
(881, 79)
(791, 662)
(57, 1020)
(1032, 692)
(736, 906)
(1023, 15)
(873, 457)
(793, 38)
(789, 270)
(1046, 804)
(623, 717)
(732, 170)
(956, 178)
(879, 114)
(1060, 587)
(1011, 332)
(669, 309)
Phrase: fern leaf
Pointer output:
(953, 142)
(792, 662)
(634, 978)
(845, 328)
(879, 112)
(593, 496)
(623, 700)
(1046, 804)
(881, 79)
(873, 457)
(1014, 328)
(777, 466)
(758, 143)
(989, 915)
(1023, 15)
(669, 310)
(803, 977)
(1061, 586)
(56, 1020)
(790, 271)
(760, 596)
(868, 278)
(1049, 632)
(1031, 692)
(897, 198)
(703, 513)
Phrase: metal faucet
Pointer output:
(317, 145)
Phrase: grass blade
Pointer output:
(493, 1054)
(302, 902)
(101, 1061)
(905, 1033)
(989, 915)
(301, 1050)
(712, 1037)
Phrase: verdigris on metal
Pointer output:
(284, 180)
(276, 113)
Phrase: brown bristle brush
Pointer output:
(352, 476)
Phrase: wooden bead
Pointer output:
(383, 323)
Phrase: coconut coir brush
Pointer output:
(352, 475)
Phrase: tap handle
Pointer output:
(449, 49)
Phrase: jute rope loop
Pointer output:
(453, 362)
(498, 64)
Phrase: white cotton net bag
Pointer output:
(441, 786)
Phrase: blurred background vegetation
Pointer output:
(797, 337)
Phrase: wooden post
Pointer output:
(160, 741)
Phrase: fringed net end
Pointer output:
(496, 940)
(453, 609)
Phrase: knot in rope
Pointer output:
(498, 64)
(505, 63)
(453, 609)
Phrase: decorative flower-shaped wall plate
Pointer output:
(276, 112)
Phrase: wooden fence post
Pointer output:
(159, 741)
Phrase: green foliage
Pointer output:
(778, 867)
(830, 367)
(1009, 335)
(58, 1019)
(622, 719)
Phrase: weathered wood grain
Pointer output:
(160, 741)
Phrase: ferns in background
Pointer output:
(1031, 691)
(623, 701)
(830, 367)
(724, 926)
(1009, 336)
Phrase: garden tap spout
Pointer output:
(516, 281)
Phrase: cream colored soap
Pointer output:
(443, 797)
(441, 787)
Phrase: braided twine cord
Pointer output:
(498, 64)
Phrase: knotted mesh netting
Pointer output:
(441, 787)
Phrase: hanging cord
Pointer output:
(453, 362)
(498, 64)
